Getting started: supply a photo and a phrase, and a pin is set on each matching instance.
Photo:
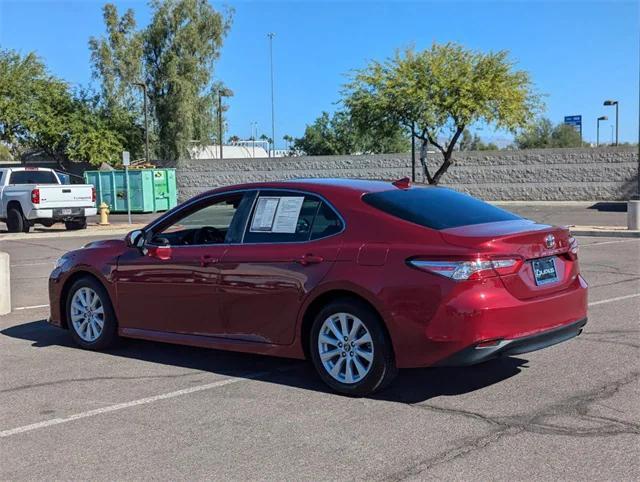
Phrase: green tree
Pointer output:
(473, 142)
(117, 60)
(175, 57)
(437, 93)
(38, 111)
(565, 136)
(542, 134)
(337, 134)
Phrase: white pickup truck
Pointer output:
(31, 195)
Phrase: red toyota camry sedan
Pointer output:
(361, 277)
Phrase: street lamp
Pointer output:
(614, 102)
(222, 92)
(601, 118)
(143, 86)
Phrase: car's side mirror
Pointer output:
(134, 238)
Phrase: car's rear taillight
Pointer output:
(93, 194)
(573, 248)
(35, 196)
(468, 269)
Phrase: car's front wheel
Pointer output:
(90, 315)
(350, 348)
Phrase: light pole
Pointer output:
(614, 102)
(273, 122)
(254, 127)
(146, 120)
(222, 92)
(601, 118)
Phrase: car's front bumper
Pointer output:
(487, 350)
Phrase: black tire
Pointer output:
(16, 223)
(109, 335)
(76, 224)
(382, 370)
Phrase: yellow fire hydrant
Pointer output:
(103, 209)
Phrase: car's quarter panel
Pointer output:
(263, 285)
(178, 294)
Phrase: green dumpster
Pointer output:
(151, 190)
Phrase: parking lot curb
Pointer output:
(90, 231)
(5, 284)
(604, 231)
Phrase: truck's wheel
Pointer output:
(16, 223)
(76, 224)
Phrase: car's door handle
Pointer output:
(206, 260)
(309, 259)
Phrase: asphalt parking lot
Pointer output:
(155, 411)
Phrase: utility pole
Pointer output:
(222, 92)
(273, 121)
(146, 120)
(220, 122)
(413, 152)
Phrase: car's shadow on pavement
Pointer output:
(412, 385)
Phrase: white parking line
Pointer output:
(20, 308)
(617, 298)
(121, 406)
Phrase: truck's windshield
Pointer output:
(33, 177)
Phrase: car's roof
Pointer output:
(321, 185)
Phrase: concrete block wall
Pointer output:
(601, 174)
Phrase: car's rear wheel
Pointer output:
(90, 315)
(16, 223)
(350, 348)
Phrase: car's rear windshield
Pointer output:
(33, 177)
(436, 207)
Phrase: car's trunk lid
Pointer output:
(526, 239)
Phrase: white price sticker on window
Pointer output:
(277, 214)
(264, 214)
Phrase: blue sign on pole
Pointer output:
(574, 121)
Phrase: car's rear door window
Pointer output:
(285, 217)
(29, 176)
(436, 207)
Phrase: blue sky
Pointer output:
(578, 53)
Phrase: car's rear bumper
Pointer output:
(428, 327)
(487, 350)
(57, 213)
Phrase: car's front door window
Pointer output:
(207, 225)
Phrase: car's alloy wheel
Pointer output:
(87, 314)
(350, 348)
(345, 347)
(90, 315)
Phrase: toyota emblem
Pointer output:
(550, 241)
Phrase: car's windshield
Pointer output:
(33, 177)
(436, 207)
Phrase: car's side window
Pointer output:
(211, 223)
(327, 223)
(285, 217)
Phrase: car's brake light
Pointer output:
(93, 194)
(469, 269)
(35, 196)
